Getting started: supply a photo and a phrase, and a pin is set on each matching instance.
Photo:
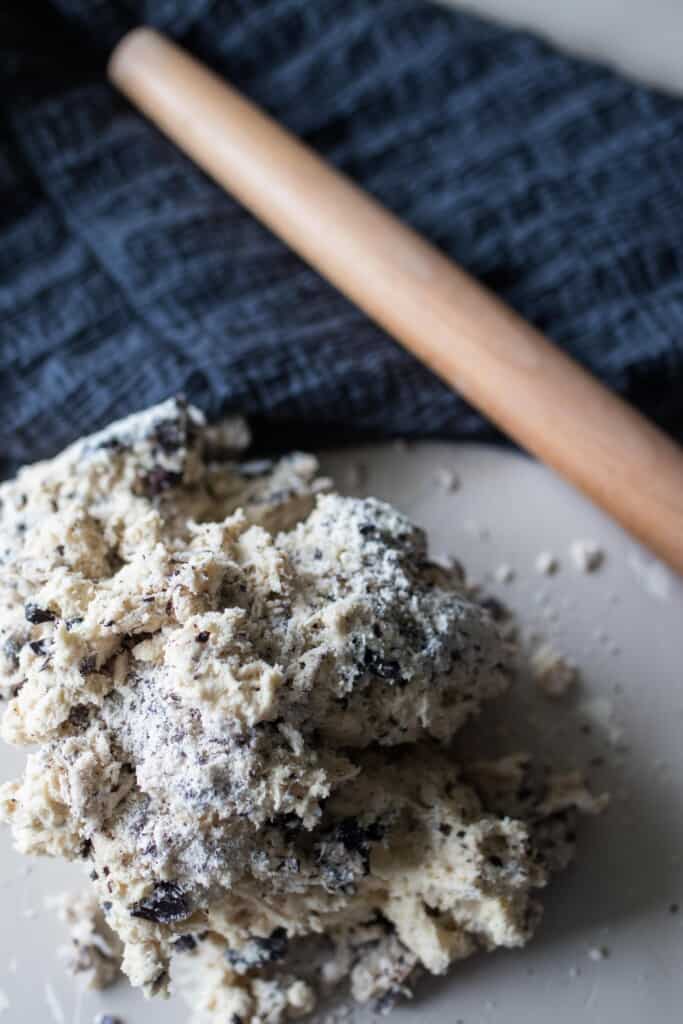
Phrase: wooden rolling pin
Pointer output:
(500, 363)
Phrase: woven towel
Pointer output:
(126, 275)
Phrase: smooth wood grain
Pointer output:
(501, 364)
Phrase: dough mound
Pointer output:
(239, 688)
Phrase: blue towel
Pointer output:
(126, 275)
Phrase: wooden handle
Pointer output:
(502, 365)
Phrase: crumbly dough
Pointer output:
(93, 953)
(546, 563)
(554, 674)
(240, 689)
(586, 555)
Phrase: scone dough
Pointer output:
(239, 688)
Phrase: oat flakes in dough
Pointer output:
(239, 688)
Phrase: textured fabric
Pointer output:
(125, 275)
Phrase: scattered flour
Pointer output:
(476, 529)
(54, 1005)
(653, 576)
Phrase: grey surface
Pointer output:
(629, 644)
(642, 37)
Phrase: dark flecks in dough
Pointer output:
(36, 615)
(167, 904)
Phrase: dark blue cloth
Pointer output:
(125, 275)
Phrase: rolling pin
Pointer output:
(532, 390)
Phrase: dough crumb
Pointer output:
(587, 555)
(93, 953)
(598, 953)
(546, 563)
(598, 712)
(504, 573)
(107, 1018)
(447, 479)
(554, 674)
